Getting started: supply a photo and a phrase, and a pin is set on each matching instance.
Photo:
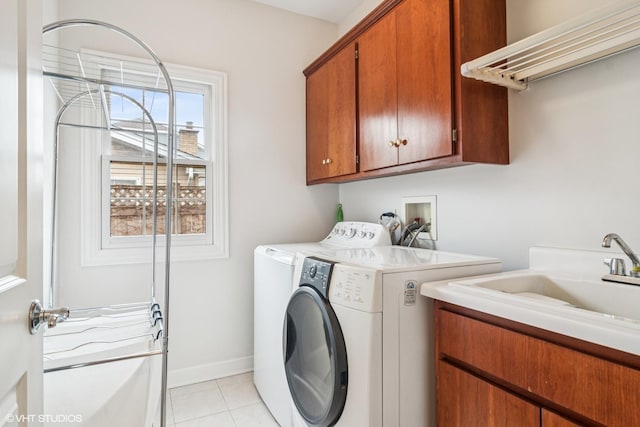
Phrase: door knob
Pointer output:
(39, 316)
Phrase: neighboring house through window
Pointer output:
(120, 196)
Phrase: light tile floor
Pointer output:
(226, 402)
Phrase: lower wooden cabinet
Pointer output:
(495, 371)
(466, 400)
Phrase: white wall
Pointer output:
(264, 51)
(575, 144)
(356, 15)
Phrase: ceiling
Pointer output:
(329, 10)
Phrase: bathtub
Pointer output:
(125, 393)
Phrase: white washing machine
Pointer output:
(358, 336)
(273, 279)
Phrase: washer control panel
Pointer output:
(356, 234)
(316, 273)
(356, 287)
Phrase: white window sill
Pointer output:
(125, 256)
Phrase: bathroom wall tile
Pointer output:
(196, 400)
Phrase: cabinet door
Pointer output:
(331, 117)
(378, 95)
(317, 119)
(465, 400)
(405, 85)
(424, 77)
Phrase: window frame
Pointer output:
(98, 247)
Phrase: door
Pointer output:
(20, 211)
(315, 356)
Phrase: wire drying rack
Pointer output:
(107, 333)
(85, 81)
(587, 38)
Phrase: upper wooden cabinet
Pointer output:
(405, 103)
(411, 108)
(331, 117)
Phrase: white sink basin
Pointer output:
(614, 301)
(561, 292)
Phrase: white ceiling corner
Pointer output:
(329, 10)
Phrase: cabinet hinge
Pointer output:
(454, 135)
(357, 159)
(356, 53)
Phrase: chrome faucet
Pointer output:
(606, 243)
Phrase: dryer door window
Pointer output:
(315, 358)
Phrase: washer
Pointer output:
(333, 345)
(273, 280)
(383, 373)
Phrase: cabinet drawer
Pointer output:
(495, 351)
(601, 390)
(465, 400)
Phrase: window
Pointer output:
(121, 194)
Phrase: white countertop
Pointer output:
(613, 317)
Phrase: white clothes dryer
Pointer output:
(382, 374)
(273, 280)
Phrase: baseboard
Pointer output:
(209, 371)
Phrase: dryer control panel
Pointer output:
(356, 287)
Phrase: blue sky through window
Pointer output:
(189, 107)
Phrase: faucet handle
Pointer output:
(616, 266)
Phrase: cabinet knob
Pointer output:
(326, 161)
(397, 143)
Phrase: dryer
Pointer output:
(383, 373)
